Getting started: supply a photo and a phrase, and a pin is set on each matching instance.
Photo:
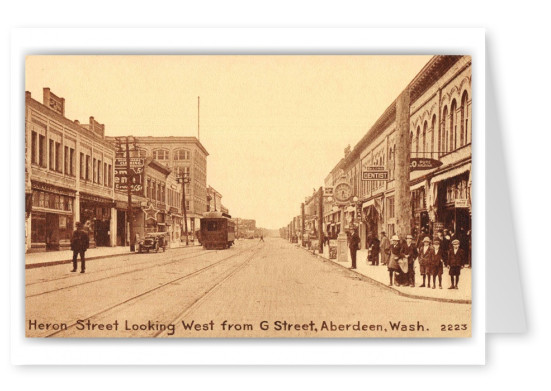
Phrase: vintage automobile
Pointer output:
(153, 241)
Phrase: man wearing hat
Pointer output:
(437, 267)
(79, 245)
(410, 252)
(426, 253)
(385, 248)
(395, 254)
(354, 243)
(456, 260)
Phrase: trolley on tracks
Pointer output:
(217, 231)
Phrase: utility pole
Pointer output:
(302, 223)
(129, 192)
(402, 192)
(320, 216)
(129, 180)
(184, 179)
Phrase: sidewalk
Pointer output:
(51, 258)
(379, 274)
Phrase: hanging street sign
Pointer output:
(134, 177)
(421, 163)
(374, 173)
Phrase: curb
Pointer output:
(383, 285)
(54, 263)
(61, 262)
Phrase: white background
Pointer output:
(517, 51)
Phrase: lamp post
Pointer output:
(184, 179)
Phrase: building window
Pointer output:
(160, 154)
(42, 150)
(66, 168)
(88, 168)
(464, 118)
(417, 140)
(424, 147)
(58, 157)
(390, 207)
(52, 155)
(433, 136)
(94, 170)
(110, 173)
(81, 164)
(442, 146)
(34, 155)
(453, 125)
(187, 204)
(99, 172)
(181, 154)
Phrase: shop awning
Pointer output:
(451, 173)
(368, 203)
(417, 186)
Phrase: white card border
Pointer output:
(238, 351)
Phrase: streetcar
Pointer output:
(217, 231)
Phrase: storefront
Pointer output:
(95, 214)
(51, 217)
(420, 216)
(452, 202)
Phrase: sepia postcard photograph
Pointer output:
(248, 196)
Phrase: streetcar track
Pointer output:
(203, 297)
(73, 276)
(149, 291)
(116, 275)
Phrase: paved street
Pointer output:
(254, 289)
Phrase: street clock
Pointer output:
(342, 192)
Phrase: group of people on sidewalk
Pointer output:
(399, 257)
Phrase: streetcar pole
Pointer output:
(184, 181)
(129, 192)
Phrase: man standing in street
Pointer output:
(354, 243)
(385, 248)
(410, 252)
(79, 245)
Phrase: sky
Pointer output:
(274, 126)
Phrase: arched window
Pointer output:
(181, 154)
(464, 117)
(160, 154)
(434, 136)
(453, 126)
(417, 141)
(424, 147)
(443, 147)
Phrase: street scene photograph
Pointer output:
(248, 196)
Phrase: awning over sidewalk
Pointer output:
(368, 203)
(451, 173)
(417, 186)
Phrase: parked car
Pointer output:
(153, 241)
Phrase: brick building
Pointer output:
(68, 176)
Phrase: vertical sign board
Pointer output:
(135, 177)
